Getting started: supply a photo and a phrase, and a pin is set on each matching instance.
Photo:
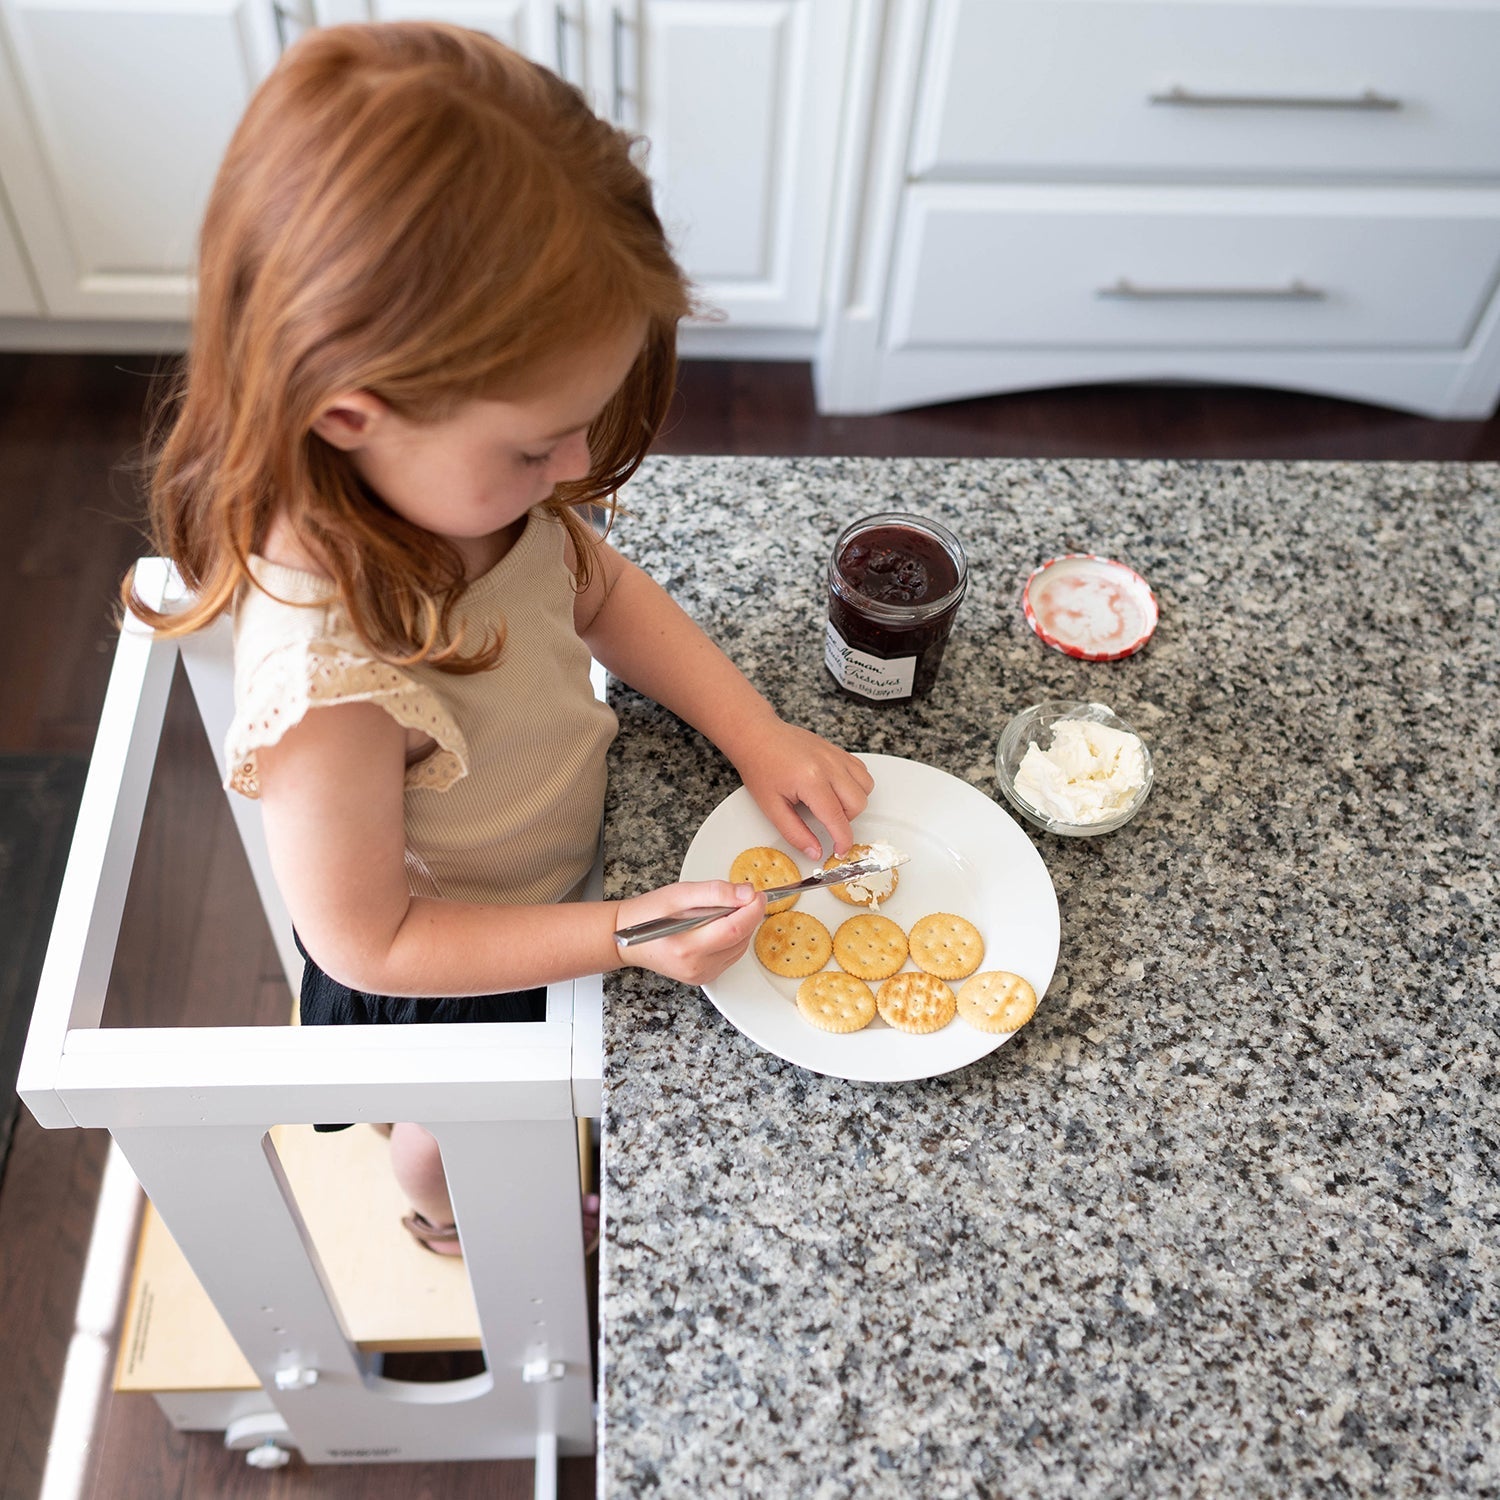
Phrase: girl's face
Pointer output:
(471, 476)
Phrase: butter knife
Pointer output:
(657, 927)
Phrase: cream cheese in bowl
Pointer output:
(1090, 773)
(1073, 768)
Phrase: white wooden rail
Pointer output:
(191, 1110)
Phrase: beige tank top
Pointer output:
(507, 807)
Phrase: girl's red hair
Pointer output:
(416, 211)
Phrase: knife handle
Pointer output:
(657, 927)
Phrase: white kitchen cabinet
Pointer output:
(1117, 88)
(17, 294)
(112, 122)
(1021, 266)
(539, 28)
(739, 102)
(1265, 192)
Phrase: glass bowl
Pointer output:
(1034, 727)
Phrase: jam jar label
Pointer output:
(871, 676)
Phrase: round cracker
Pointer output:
(793, 944)
(856, 897)
(835, 1001)
(948, 946)
(996, 1000)
(869, 946)
(915, 1002)
(766, 868)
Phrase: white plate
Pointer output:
(968, 856)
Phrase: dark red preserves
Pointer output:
(894, 585)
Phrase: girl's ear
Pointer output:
(348, 421)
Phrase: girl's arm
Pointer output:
(636, 630)
(331, 796)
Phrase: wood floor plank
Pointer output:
(194, 949)
(164, 907)
(138, 1453)
(65, 429)
(767, 408)
(142, 1458)
(47, 1202)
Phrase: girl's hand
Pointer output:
(701, 954)
(635, 629)
(783, 765)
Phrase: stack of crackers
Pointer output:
(871, 949)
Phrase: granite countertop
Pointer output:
(1224, 1219)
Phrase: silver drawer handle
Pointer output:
(1183, 98)
(1295, 290)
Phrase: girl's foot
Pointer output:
(441, 1239)
(590, 1223)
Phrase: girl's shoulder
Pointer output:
(285, 573)
(283, 548)
(288, 591)
(279, 606)
(282, 584)
(295, 651)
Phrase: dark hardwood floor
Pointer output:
(744, 408)
(69, 430)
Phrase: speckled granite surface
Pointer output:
(1225, 1218)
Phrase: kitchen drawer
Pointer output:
(1248, 268)
(1049, 88)
(17, 299)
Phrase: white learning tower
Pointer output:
(264, 1300)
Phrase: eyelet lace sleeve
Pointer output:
(302, 674)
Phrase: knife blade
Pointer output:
(657, 927)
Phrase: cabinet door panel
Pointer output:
(1188, 268)
(722, 205)
(530, 26)
(130, 108)
(742, 145)
(1206, 89)
(17, 298)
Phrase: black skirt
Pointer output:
(326, 1002)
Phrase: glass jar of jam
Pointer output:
(895, 582)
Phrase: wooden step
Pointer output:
(393, 1294)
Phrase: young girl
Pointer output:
(435, 329)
